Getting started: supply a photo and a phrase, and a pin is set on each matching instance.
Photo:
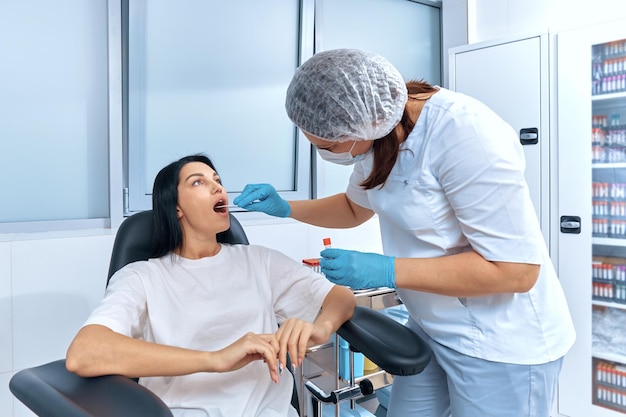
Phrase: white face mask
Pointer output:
(342, 158)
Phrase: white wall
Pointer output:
(492, 19)
(454, 31)
(48, 284)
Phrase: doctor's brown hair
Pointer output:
(386, 149)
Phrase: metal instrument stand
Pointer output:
(321, 365)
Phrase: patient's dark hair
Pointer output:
(167, 234)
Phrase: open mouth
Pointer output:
(220, 207)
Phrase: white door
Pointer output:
(511, 77)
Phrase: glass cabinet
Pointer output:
(591, 124)
(608, 268)
(572, 85)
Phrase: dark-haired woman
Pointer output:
(198, 323)
(462, 243)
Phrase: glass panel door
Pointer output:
(608, 272)
(591, 114)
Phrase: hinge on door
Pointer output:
(125, 197)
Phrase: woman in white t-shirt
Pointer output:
(462, 243)
(198, 324)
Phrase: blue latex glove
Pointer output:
(358, 269)
(263, 198)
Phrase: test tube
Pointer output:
(326, 242)
(313, 263)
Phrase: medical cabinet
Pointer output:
(571, 87)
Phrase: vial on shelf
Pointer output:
(313, 263)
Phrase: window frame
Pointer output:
(306, 169)
(135, 197)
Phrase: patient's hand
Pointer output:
(250, 347)
(295, 335)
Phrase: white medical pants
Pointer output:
(458, 385)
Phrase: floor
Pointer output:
(372, 405)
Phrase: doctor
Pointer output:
(462, 243)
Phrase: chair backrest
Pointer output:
(133, 241)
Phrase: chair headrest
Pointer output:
(133, 241)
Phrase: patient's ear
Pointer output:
(179, 212)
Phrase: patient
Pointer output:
(198, 324)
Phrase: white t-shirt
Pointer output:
(458, 184)
(207, 304)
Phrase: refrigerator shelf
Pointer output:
(608, 356)
(612, 406)
(609, 385)
(610, 96)
(608, 165)
(608, 241)
(608, 304)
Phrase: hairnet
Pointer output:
(346, 94)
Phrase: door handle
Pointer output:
(570, 224)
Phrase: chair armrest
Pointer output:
(50, 390)
(392, 346)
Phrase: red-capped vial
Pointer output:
(326, 242)
(313, 263)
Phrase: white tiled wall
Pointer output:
(48, 286)
(6, 350)
(6, 353)
(56, 283)
(6, 399)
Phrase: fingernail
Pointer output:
(280, 368)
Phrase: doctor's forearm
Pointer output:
(333, 212)
(464, 275)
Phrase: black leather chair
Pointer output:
(133, 241)
(50, 390)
